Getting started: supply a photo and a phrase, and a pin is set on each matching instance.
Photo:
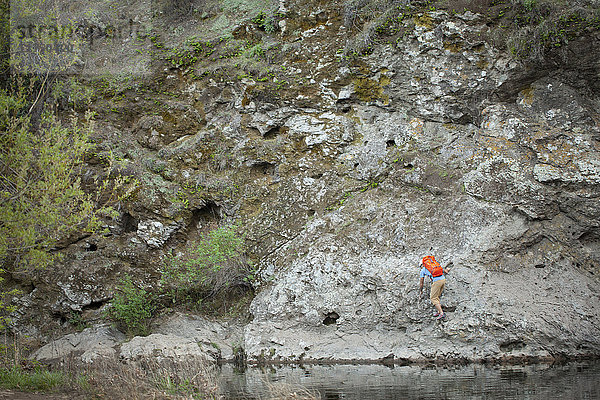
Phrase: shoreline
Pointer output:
(512, 360)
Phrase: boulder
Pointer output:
(88, 345)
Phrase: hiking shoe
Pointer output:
(441, 316)
(435, 314)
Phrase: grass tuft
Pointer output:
(37, 380)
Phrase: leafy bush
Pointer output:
(266, 21)
(42, 158)
(41, 200)
(215, 265)
(132, 308)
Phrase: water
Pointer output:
(579, 380)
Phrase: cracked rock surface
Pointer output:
(439, 142)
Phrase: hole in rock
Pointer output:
(331, 318)
(512, 345)
(253, 131)
(539, 266)
(408, 165)
(128, 223)
(264, 168)
(591, 242)
(355, 165)
(589, 237)
(202, 219)
(91, 247)
(311, 213)
(94, 305)
(272, 133)
(346, 108)
(465, 119)
(390, 143)
(210, 212)
(322, 17)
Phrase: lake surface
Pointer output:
(577, 380)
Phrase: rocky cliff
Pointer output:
(349, 142)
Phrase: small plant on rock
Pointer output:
(216, 266)
(132, 308)
(266, 22)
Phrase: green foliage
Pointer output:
(255, 51)
(5, 25)
(216, 264)
(79, 96)
(191, 52)
(369, 185)
(187, 192)
(49, 50)
(374, 20)
(41, 201)
(38, 379)
(19, 373)
(529, 4)
(267, 22)
(132, 308)
(76, 320)
(6, 308)
(541, 28)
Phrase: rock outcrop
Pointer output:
(436, 141)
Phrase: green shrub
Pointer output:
(266, 21)
(43, 203)
(132, 308)
(215, 265)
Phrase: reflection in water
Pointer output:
(379, 382)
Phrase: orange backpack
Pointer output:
(434, 267)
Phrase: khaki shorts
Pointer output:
(437, 288)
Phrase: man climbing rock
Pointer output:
(432, 269)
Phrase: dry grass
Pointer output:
(148, 378)
(287, 391)
(152, 378)
(113, 378)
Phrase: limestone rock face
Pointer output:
(89, 345)
(506, 190)
(344, 174)
(155, 233)
(178, 337)
(160, 346)
(217, 340)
